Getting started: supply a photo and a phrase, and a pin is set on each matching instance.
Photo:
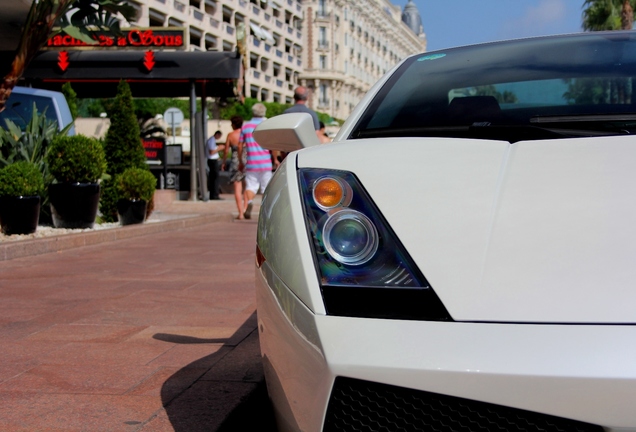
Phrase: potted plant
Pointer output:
(21, 184)
(76, 163)
(135, 189)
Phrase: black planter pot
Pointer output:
(19, 215)
(74, 205)
(131, 212)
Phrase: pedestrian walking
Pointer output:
(236, 175)
(258, 162)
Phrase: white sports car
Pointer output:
(463, 256)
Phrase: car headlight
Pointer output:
(363, 268)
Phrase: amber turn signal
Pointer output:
(328, 193)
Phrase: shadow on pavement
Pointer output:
(224, 391)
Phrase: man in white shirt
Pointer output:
(213, 164)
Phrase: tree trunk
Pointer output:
(627, 15)
(38, 25)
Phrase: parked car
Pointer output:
(19, 107)
(485, 281)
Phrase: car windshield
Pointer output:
(553, 87)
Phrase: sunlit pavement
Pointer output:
(154, 331)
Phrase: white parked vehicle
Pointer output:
(485, 279)
(19, 107)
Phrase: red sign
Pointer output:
(154, 148)
(149, 60)
(132, 38)
(62, 60)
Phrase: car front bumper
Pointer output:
(581, 372)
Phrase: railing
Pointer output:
(323, 44)
(257, 74)
(256, 10)
(279, 53)
(322, 14)
(279, 24)
(214, 22)
(256, 42)
(229, 29)
(290, 58)
(279, 83)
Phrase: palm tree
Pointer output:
(608, 14)
(78, 18)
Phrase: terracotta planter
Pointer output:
(74, 205)
(19, 215)
(131, 212)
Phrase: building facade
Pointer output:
(350, 44)
(338, 48)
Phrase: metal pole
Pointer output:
(193, 145)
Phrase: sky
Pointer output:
(449, 23)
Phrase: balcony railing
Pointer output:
(214, 23)
(322, 14)
(323, 102)
(323, 44)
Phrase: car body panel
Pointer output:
(584, 373)
(487, 222)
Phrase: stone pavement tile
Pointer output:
(204, 406)
(241, 364)
(75, 413)
(159, 423)
(85, 333)
(229, 333)
(11, 370)
(200, 356)
(23, 352)
(78, 379)
(113, 355)
(168, 382)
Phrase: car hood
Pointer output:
(537, 231)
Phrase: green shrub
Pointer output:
(123, 148)
(21, 179)
(76, 158)
(136, 184)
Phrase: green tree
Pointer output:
(123, 148)
(608, 15)
(47, 18)
(71, 98)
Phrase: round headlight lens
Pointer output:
(350, 237)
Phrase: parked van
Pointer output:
(19, 107)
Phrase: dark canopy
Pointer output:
(96, 73)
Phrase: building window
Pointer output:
(323, 62)
(322, 8)
(323, 99)
(322, 37)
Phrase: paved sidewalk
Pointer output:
(154, 331)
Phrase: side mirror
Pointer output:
(287, 132)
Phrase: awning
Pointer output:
(95, 73)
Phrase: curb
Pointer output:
(39, 246)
